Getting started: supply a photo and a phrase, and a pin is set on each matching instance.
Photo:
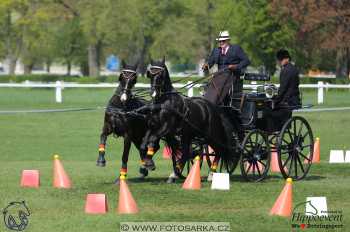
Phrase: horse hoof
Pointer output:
(101, 163)
(171, 180)
(210, 177)
(143, 172)
(149, 164)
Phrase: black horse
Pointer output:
(120, 120)
(190, 118)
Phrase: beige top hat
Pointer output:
(223, 35)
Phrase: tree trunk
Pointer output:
(347, 59)
(339, 63)
(27, 69)
(12, 61)
(93, 60)
(69, 67)
(48, 66)
(84, 68)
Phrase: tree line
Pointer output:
(85, 32)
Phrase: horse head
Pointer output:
(127, 80)
(159, 76)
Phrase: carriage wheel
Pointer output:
(230, 165)
(295, 147)
(256, 156)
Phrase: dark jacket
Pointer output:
(288, 93)
(222, 82)
(234, 55)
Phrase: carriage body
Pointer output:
(271, 134)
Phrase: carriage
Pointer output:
(269, 133)
(260, 132)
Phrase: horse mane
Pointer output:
(168, 86)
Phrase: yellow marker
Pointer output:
(122, 173)
(317, 138)
(101, 149)
(289, 180)
(197, 157)
(56, 156)
(122, 177)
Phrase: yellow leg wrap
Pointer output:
(150, 151)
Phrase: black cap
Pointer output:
(282, 54)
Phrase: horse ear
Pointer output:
(123, 64)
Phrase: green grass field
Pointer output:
(29, 141)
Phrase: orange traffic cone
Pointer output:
(60, 177)
(30, 178)
(283, 204)
(274, 166)
(127, 204)
(316, 156)
(193, 180)
(96, 203)
(166, 152)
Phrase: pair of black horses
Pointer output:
(169, 116)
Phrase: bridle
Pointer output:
(128, 75)
(156, 71)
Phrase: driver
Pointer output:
(229, 57)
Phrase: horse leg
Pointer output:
(125, 157)
(173, 144)
(180, 164)
(106, 131)
(213, 168)
(151, 141)
(143, 170)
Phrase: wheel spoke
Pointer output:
(300, 129)
(306, 134)
(290, 165)
(295, 166)
(304, 146)
(290, 134)
(262, 163)
(300, 164)
(305, 157)
(284, 140)
(285, 162)
(257, 167)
